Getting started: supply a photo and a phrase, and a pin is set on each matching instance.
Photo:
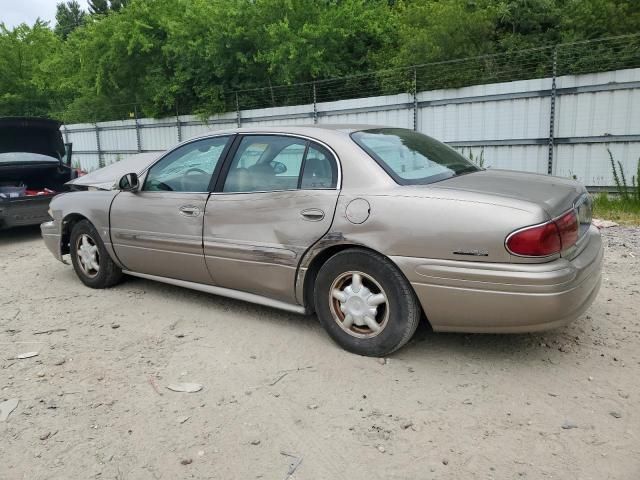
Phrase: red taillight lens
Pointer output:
(568, 228)
(538, 241)
(546, 239)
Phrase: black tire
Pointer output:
(397, 320)
(108, 274)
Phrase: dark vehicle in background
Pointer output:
(35, 164)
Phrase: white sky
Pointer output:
(14, 12)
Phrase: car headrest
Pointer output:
(318, 167)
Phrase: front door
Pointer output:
(158, 230)
(278, 199)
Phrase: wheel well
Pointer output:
(67, 226)
(316, 265)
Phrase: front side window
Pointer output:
(412, 158)
(188, 168)
(265, 163)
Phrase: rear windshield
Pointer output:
(412, 158)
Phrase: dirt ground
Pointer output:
(94, 404)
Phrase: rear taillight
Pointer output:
(539, 241)
(546, 239)
(568, 227)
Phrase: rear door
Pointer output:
(158, 230)
(277, 198)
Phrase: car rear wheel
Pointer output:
(365, 303)
(90, 259)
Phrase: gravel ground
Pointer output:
(94, 404)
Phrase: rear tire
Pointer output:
(365, 303)
(90, 258)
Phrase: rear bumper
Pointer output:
(51, 235)
(24, 211)
(506, 298)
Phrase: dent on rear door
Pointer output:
(253, 242)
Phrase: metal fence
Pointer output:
(520, 110)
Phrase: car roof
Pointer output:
(314, 131)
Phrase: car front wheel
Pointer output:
(90, 259)
(365, 303)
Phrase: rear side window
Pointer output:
(410, 157)
(264, 163)
(320, 169)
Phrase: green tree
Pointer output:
(25, 88)
(111, 64)
(191, 56)
(98, 7)
(430, 31)
(590, 19)
(116, 5)
(521, 24)
(69, 16)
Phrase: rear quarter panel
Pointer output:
(418, 223)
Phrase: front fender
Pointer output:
(69, 208)
(51, 234)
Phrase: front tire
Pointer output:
(90, 258)
(365, 303)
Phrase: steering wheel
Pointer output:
(156, 185)
(195, 170)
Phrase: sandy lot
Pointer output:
(94, 404)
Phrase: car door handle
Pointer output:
(189, 210)
(312, 214)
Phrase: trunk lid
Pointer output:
(554, 194)
(38, 136)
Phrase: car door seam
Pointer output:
(113, 245)
(304, 254)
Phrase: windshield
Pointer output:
(25, 157)
(412, 158)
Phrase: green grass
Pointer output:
(625, 211)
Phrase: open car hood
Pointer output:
(106, 178)
(38, 136)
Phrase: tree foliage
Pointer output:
(98, 7)
(161, 57)
(69, 16)
(24, 85)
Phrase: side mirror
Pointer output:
(129, 183)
